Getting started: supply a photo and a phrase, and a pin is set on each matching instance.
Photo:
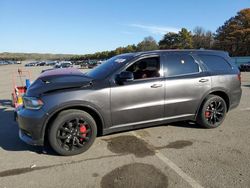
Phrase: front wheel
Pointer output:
(72, 132)
(213, 112)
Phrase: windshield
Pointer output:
(109, 66)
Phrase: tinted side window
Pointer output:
(179, 65)
(145, 68)
(215, 63)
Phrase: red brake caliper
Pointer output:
(207, 114)
(82, 130)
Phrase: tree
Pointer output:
(202, 38)
(181, 40)
(234, 35)
(130, 48)
(185, 38)
(170, 41)
(148, 43)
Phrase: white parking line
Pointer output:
(173, 166)
(245, 109)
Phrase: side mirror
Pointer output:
(125, 76)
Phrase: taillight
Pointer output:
(239, 77)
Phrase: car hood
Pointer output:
(58, 79)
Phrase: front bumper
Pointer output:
(31, 126)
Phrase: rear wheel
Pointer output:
(213, 112)
(72, 132)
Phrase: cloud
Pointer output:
(156, 29)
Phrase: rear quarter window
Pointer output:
(215, 63)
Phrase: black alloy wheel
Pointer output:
(72, 132)
(213, 112)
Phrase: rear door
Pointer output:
(185, 84)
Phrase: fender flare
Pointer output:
(216, 89)
(71, 105)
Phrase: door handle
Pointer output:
(156, 85)
(203, 80)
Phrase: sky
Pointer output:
(88, 26)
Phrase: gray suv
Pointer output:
(69, 108)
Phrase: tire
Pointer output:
(212, 112)
(72, 132)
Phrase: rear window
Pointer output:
(177, 64)
(215, 63)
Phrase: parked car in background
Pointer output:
(63, 64)
(51, 63)
(92, 65)
(7, 62)
(128, 91)
(59, 65)
(3, 63)
(31, 64)
(245, 67)
(41, 63)
(84, 65)
(10, 62)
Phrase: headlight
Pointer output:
(32, 103)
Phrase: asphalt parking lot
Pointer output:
(174, 155)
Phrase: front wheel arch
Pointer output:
(93, 112)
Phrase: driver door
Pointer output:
(141, 100)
